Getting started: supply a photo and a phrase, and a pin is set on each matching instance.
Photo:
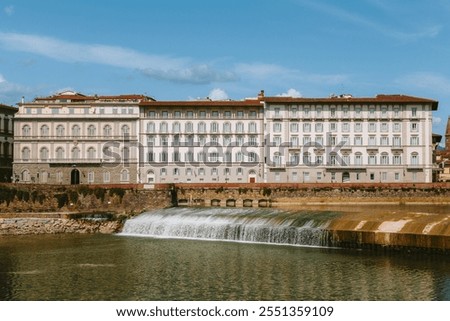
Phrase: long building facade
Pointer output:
(70, 138)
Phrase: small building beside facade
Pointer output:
(6, 142)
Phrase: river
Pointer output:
(164, 266)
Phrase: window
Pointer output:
(215, 114)
(345, 127)
(358, 127)
(44, 131)
(55, 111)
(372, 159)
(384, 176)
(397, 176)
(91, 177)
(176, 156)
(277, 112)
(177, 114)
(26, 130)
(106, 177)
(397, 141)
(306, 176)
(384, 159)
(414, 127)
(107, 131)
(252, 127)
(91, 130)
(189, 114)
(397, 127)
(239, 157)
(293, 127)
(227, 127)
(163, 172)
(214, 127)
(384, 127)
(277, 140)
(176, 127)
(294, 141)
(201, 127)
(414, 140)
(75, 153)
(319, 127)
(333, 127)
(319, 112)
(227, 114)
(176, 171)
(76, 131)
(306, 127)
(372, 127)
(240, 140)
(163, 157)
(306, 140)
(150, 127)
(91, 153)
(240, 171)
(60, 131)
(277, 176)
(358, 159)
(372, 141)
(294, 159)
(277, 127)
(60, 153)
(240, 114)
(189, 128)
(384, 141)
(151, 114)
(125, 154)
(397, 160)
(201, 171)
(163, 127)
(239, 127)
(372, 176)
(188, 171)
(164, 114)
(25, 154)
(43, 154)
(414, 112)
(252, 157)
(319, 140)
(319, 176)
(414, 159)
(151, 157)
(253, 140)
(124, 175)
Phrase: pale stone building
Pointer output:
(202, 141)
(6, 142)
(70, 138)
(383, 139)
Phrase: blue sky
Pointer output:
(178, 50)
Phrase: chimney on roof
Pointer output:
(261, 94)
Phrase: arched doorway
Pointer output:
(345, 177)
(75, 177)
(151, 177)
(252, 176)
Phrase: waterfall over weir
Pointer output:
(240, 225)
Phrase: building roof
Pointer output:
(8, 108)
(379, 99)
(77, 97)
(203, 103)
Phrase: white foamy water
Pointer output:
(240, 225)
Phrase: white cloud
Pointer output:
(437, 120)
(432, 82)
(291, 93)
(218, 94)
(9, 10)
(10, 93)
(154, 66)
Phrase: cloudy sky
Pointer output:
(178, 50)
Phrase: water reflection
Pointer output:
(105, 267)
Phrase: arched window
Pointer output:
(189, 127)
(176, 128)
(125, 175)
(76, 131)
(44, 131)
(150, 127)
(239, 157)
(358, 158)
(60, 131)
(201, 127)
(125, 130)
(26, 130)
(25, 154)
(240, 127)
(252, 127)
(60, 153)
(91, 153)
(163, 127)
(91, 130)
(107, 131)
(125, 154)
(75, 153)
(25, 176)
(43, 154)
(227, 127)
(214, 127)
